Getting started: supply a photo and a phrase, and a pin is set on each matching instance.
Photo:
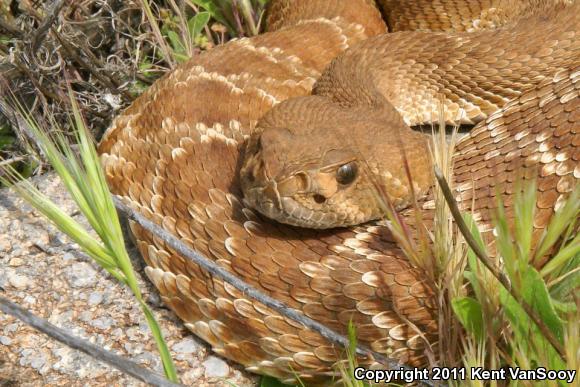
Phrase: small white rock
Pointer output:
(113, 100)
(216, 368)
(68, 257)
(18, 281)
(5, 340)
(83, 275)
(187, 345)
(11, 328)
(42, 238)
(190, 377)
(95, 298)
(102, 323)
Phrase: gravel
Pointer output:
(41, 270)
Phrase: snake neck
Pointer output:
(450, 15)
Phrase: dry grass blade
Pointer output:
(162, 44)
(448, 257)
(42, 30)
(12, 161)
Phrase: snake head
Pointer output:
(313, 184)
(314, 164)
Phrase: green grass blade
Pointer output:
(504, 243)
(561, 220)
(564, 256)
(470, 314)
(63, 222)
(268, 381)
(168, 366)
(85, 180)
(525, 205)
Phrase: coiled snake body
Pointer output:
(175, 155)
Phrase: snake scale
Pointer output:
(175, 155)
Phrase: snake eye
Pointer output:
(346, 173)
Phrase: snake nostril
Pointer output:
(319, 198)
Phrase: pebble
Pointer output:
(83, 275)
(64, 362)
(5, 340)
(216, 367)
(38, 361)
(33, 358)
(190, 377)
(187, 345)
(134, 349)
(61, 318)
(116, 333)
(19, 281)
(5, 246)
(15, 262)
(19, 251)
(102, 323)
(144, 327)
(154, 299)
(95, 298)
(134, 334)
(68, 257)
(11, 328)
(86, 316)
(148, 358)
(42, 237)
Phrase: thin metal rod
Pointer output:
(218, 271)
(122, 364)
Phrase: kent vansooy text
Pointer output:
(460, 373)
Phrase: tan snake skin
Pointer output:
(175, 156)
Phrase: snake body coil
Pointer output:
(175, 155)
